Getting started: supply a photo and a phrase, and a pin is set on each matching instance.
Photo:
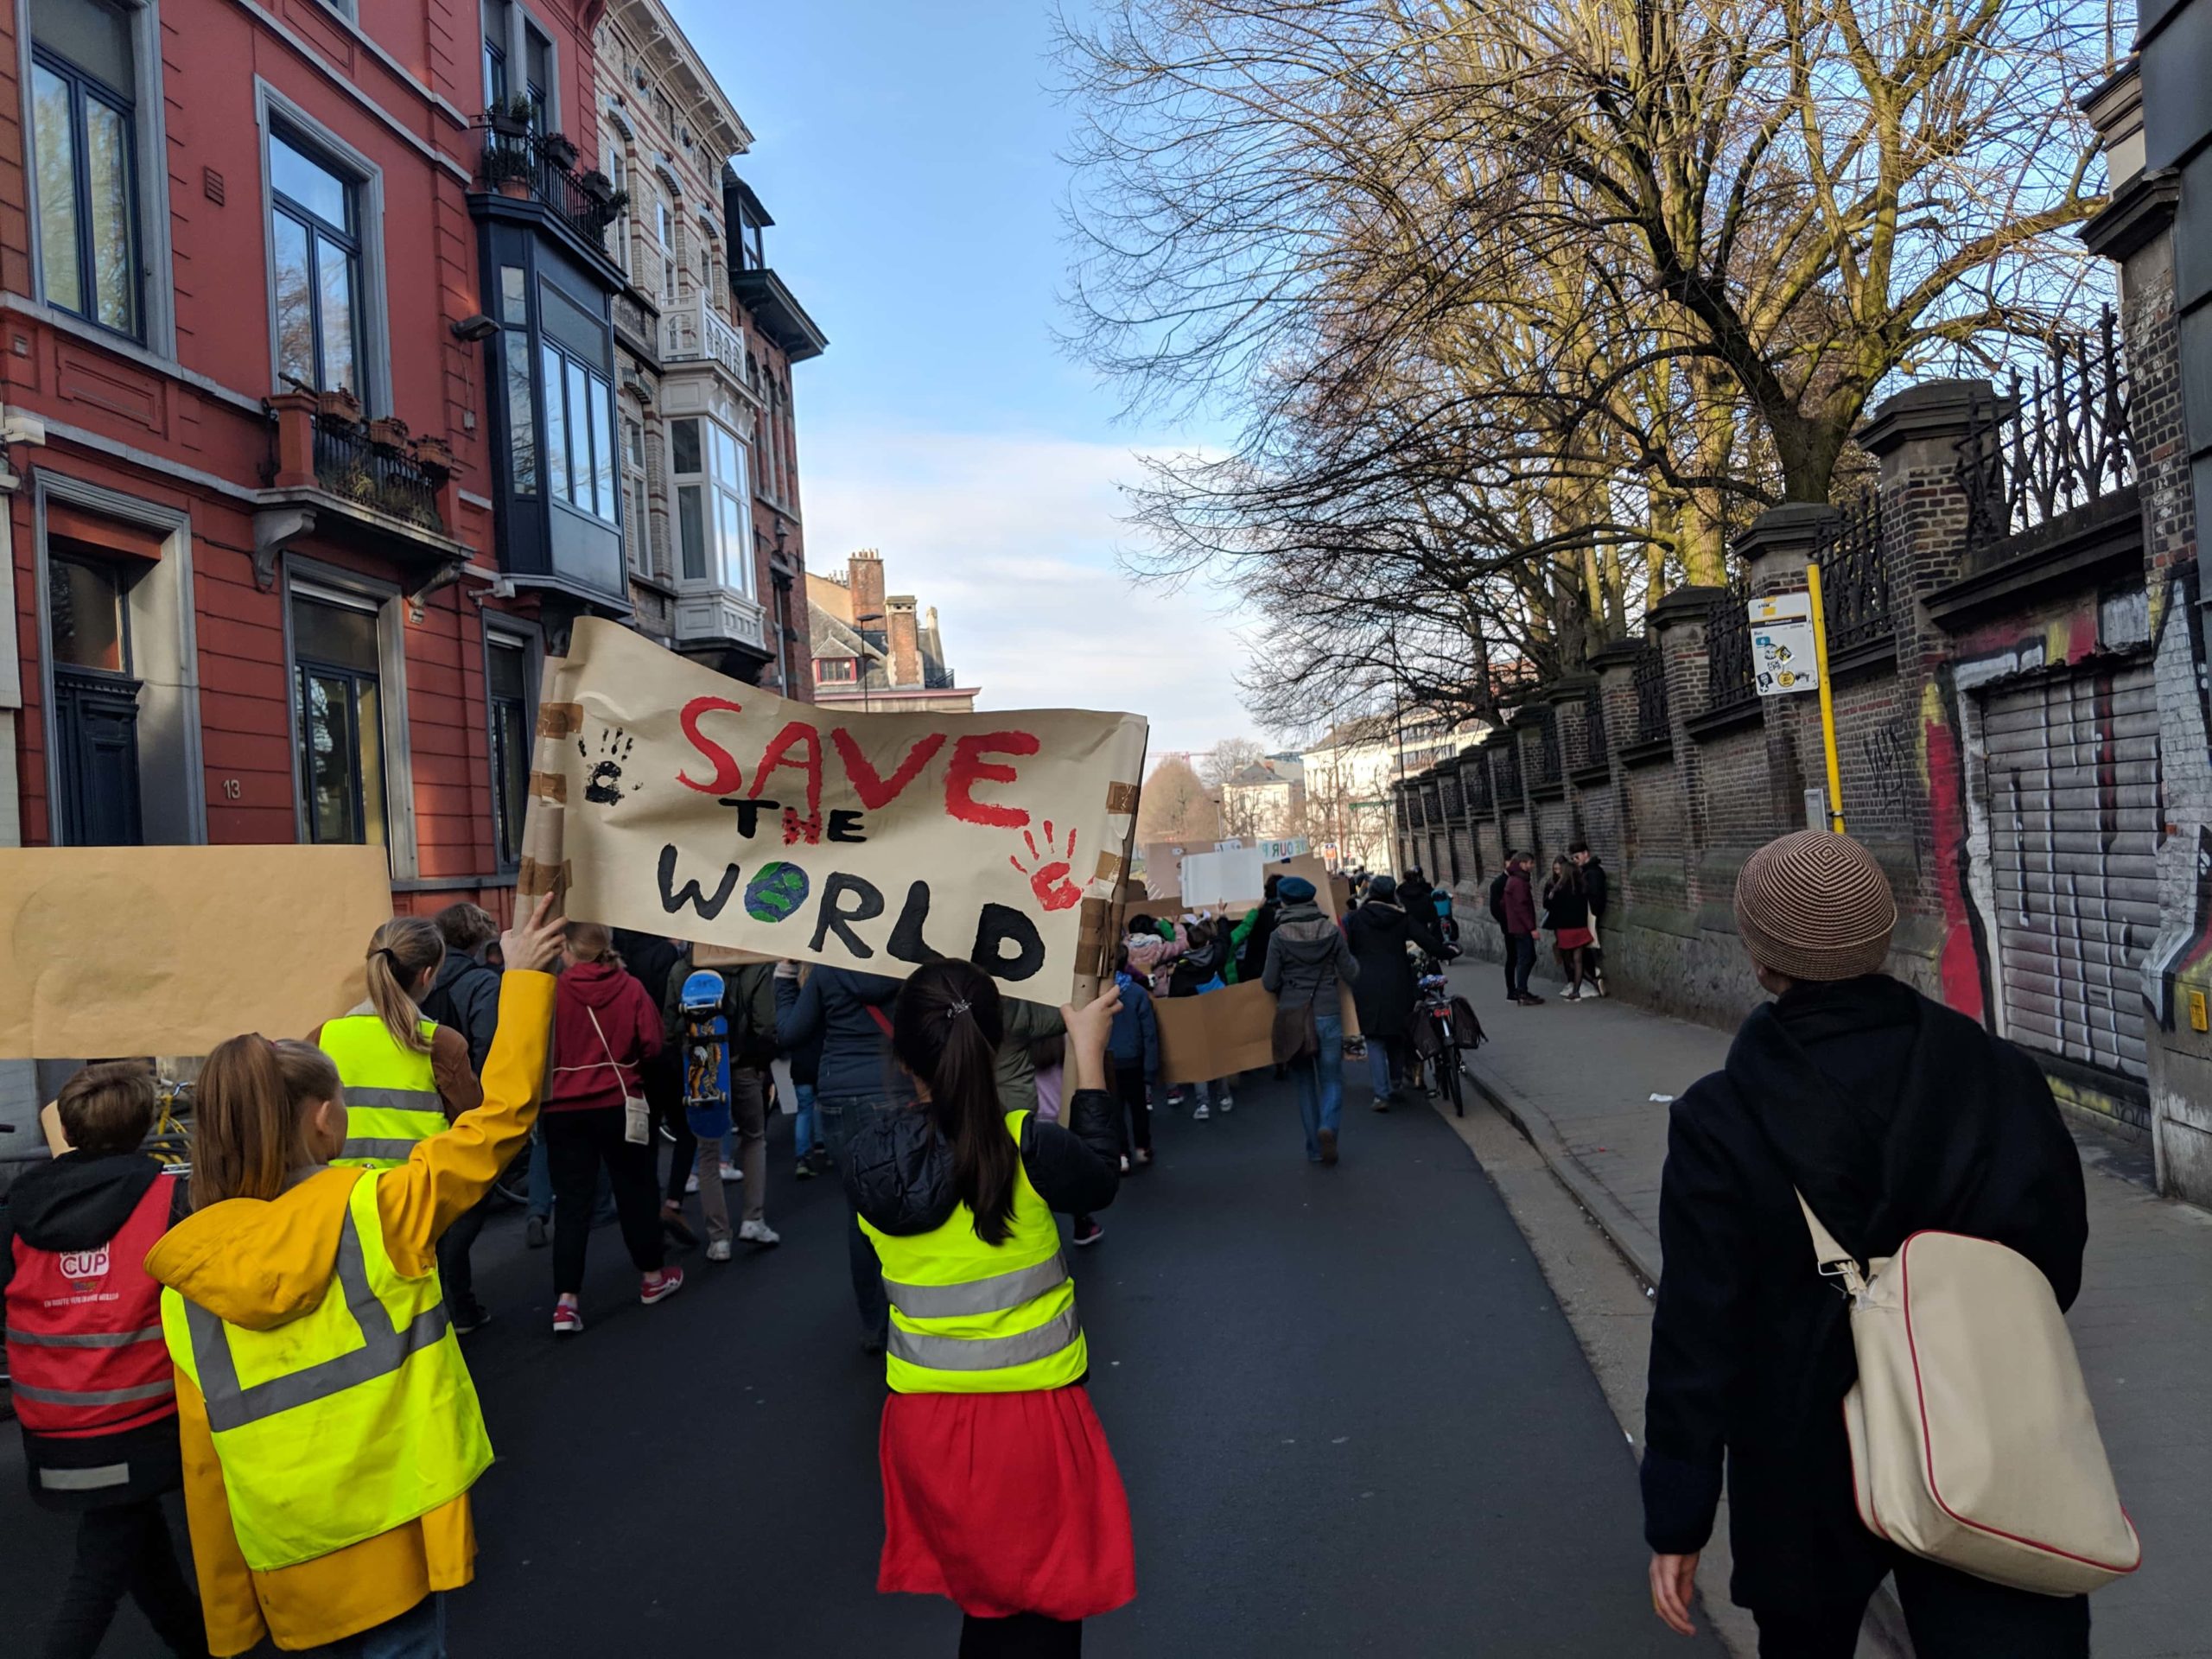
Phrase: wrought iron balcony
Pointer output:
(531, 164)
(1855, 576)
(349, 463)
(694, 332)
(2056, 442)
(1729, 682)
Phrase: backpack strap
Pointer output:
(1834, 1261)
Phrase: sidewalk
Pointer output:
(1578, 1078)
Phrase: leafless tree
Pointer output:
(1176, 805)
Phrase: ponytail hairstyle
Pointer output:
(946, 1030)
(589, 942)
(249, 1111)
(400, 952)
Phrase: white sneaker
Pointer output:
(718, 1249)
(1200, 1113)
(1227, 1102)
(759, 1232)
(732, 1172)
(691, 1182)
(1125, 1166)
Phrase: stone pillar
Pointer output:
(1615, 667)
(1775, 551)
(1678, 622)
(296, 416)
(2136, 232)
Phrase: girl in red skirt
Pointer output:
(999, 1490)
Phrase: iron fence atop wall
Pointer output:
(1507, 776)
(1855, 576)
(2059, 441)
(1544, 763)
(1474, 782)
(1589, 747)
(1653, 722)
(1729, 683)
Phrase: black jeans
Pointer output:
(577, 1145)
(1025, 1636)
(1129, 1086)
(1951, 1615)
(665, 1094)
(125, 1550)
(1523, 959)
(454, 1269)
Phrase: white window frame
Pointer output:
(637, 509)
(156, 283)
(720, 562)
(329, 584)
(374, 349)
(614, 162)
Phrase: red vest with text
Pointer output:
(84, 1350)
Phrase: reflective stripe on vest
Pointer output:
(83, 1329)
(962, 1323)
(354, 1418)
(391, 1092)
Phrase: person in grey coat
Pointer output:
(1308, 959)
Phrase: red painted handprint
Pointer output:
(1049, 880)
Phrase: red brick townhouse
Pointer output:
(310, 442)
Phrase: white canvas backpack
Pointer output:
(1972, 1439)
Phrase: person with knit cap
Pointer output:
(1891, 1113)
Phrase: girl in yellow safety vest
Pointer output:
(999, 1491)
(330, 1429)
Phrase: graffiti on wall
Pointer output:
(2181, 957)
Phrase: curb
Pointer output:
(1883, 1614)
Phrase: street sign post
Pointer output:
(1790, 655)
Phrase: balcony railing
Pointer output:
(1653, 721)
(1729, 682)
(2056, 442)
(695, 333)
(1855, 576)
(539, 167)
(387, 481)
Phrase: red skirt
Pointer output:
(1005, 1504)
(1571, 938)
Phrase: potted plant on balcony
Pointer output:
(510, 117)
(604, 202)
(507, 170)
(434, 455)
(561, 150)
(339, 407)
(388, 432)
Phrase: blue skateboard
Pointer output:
(706, 1056)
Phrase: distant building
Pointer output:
(1266, 799)
(878, 650)
(1348, 772)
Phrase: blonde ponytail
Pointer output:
(403, 949)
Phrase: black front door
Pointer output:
(96, 739)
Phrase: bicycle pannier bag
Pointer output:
(1972, 1439)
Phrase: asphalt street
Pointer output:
(1349, 1415)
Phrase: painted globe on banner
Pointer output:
(775, 893)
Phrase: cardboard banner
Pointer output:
(114, 951)
(1216, 1035)
(670, 799)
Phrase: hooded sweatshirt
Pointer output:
(1307, 957)
(263, 1263)
(587, 1071)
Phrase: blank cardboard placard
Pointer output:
(1216, 1035)
(1227, 876)
(116, 950)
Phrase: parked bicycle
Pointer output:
(1443, 1028)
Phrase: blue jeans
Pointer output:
(1321, 1082)
(843, 1116)
(418, 1633)
(1382, 1064)
(1523, 948)
(806, 1132)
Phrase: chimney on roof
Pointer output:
(906, 641)
(864, 579)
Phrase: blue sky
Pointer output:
(910, 155)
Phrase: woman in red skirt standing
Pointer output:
(999, 1490)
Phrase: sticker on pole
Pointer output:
(1783, 658)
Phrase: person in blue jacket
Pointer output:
(1133, 1050)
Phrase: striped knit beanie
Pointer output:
(1815, 906)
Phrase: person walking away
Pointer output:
(1891, 1113)
(749, 1005)
(1308, 956)
(810, 1147)
(1250, 937)
(1520, 929)
(1567, 913)
(848, 1013)
(464, 996)
(660, 964)
(330, 1430)
(1496, 902)
(92, 1381)
(1385, 989)
(605, 1029)
(408, 1075)
(1133, 1051)
(999, 1489)
(1594, 886)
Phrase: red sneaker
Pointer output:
(660, 1287)
(567, 1320)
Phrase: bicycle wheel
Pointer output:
(1448, 1064)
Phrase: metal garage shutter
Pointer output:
(2070, 782)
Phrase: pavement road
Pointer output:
(1351, 1416)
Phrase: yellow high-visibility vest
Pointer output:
(971, 1318)
(346, 1422)
(391, 1093)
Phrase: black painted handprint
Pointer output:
(604, 783)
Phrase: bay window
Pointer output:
(713, 520)
(572, 355)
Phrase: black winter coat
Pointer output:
(1892, 1113)
(466, 996)
(1378, 932)
(899, 1169)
